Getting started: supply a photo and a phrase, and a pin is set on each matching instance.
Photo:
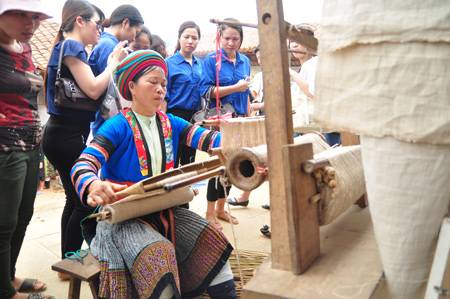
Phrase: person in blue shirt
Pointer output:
(185, 70)
(233, 88)
(67, 129)
(123, 25)
(143, 40)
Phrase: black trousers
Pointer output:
(19, 175)
(185, 153)
(63, 143)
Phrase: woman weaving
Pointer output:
(173, 253)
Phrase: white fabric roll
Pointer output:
(346, 161)
(139, 205)
(408, 188)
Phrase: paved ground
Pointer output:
(41, 247)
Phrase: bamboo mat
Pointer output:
(249, 260)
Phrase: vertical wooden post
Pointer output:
(302, 213)
(279, 132)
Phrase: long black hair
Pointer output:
(73, 9)
(184, 26)
(222, 27)
(122, 12)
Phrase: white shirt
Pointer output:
(151, 135)
(257, 86)
(308, 73)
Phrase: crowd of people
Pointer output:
(151, 135)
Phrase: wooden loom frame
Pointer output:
(294, 216)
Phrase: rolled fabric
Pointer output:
(139, 205)
(347, 185)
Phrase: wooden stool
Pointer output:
(88, 271)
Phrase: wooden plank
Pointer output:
(85, 271)
(349, 139)
(439, 275)
(279, 131)
(302, 214)
(348, 267)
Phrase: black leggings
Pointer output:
(185, 153)
(63, 143)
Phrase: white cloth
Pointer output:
(151, 134)
(409, 192)
(225, 274)
(346, 23)
(308, 73)
(257, 86)
(384, 69)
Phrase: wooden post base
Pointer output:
(348, 267)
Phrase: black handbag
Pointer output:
(207, 112)
(67, 93)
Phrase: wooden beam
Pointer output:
(302, 212)
(349, 139)
(349, 266)
(279, 130)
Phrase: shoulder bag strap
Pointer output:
(61, 52)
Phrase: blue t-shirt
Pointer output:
(183, 83)
(230, 73)
(98, 61)
(71, 48)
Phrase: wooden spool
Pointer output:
(243, 164)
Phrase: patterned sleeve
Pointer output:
(87, 166)
(195, 136)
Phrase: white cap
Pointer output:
(24, 5)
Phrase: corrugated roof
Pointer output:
(42, 42)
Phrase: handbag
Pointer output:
(68, 94)
(207, 112)
(111, 101)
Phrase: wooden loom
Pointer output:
(294, 211)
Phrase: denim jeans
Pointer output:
(19, 175)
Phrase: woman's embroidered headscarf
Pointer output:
(136, 63)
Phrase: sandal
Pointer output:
(29, 286)
(265, 230)
(235, 202)
(227, 217)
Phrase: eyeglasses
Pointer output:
(98, 24)
(100, 27)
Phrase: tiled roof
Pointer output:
(42, 42)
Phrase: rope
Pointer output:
(224, 183)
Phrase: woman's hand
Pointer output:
(242, 85)
(102, 192)
(120, 52)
